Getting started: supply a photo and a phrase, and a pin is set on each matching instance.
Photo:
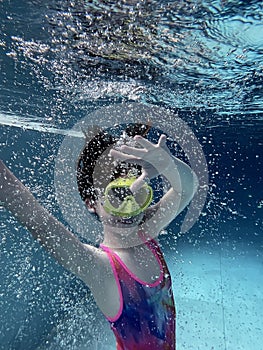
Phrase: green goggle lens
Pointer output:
(121, 201)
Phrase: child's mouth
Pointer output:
(126, 221)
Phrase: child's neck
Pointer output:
(121, 238)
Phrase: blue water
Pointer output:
(62, 60)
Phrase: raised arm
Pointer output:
(156, 159)
(184, 184)
(45, 228)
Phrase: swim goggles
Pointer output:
(119, 200)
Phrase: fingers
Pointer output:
(162, 141)
(139, 182)
(147, 144)
(143, 142)
(136, 152)
(120, 155)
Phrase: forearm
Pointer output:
(182, 179)
(18, 199)
(9, 186)
(183, 186)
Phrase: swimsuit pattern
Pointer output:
(146, 319)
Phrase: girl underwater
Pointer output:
(127, 273)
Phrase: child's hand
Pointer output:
(154, 158)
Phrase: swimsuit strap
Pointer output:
(153, 246)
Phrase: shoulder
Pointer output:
(95, 268)
(102, 282)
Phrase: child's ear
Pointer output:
(90, 206)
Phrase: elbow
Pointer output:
(191, 187)
(190, 190)
(195, 184)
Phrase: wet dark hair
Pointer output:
(94, 149)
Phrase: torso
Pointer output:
(140, 261)
(143, 314)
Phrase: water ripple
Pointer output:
(137, 50)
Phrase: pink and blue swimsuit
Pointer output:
(146, 319)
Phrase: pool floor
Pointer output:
(219, 297)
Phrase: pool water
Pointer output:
(62, 60)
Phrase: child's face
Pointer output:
(117, 221)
